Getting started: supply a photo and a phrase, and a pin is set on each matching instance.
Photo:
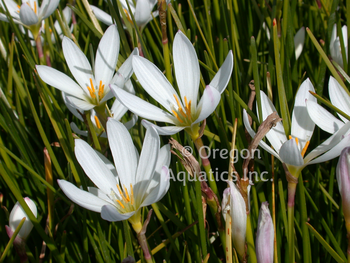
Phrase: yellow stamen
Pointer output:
(35, 8)
(305, 148)
(127, 15)
(126, 193)
(297, 141)
(121, 194)
(97, 122)
(177, 116)
(188, 108)
(100, 89)
(121, 204)
(19, 7)
(131, 194)
(92, 89)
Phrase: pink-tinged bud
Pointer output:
(233, 201)
(265, 236)
(343, 178)
(17, 215)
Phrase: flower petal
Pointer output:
(142, 13)
(208, 103)
(80, 104)
(126, 69)
(302, 125)
(154, 82)
(339, 97)
(328, 144)
(76, 130)
(222, 77)
(322, 118)
(299, 40)
(107, 55)
(123, 152)
(277, 135)
(147, 164)
(140, 107)
(290, 153)
(47, 8)
(111, 214)
(132, 122)
(27, 15)
(165, 130)
(81, 197)
(94, 167)
(186, 67)
(102, 16)
(78, 64)
(60, 81)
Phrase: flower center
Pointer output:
(92, 90)
(183, 115)
(305, 147)
(127, 200)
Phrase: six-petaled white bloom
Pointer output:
(17, 214)
(182, 110)
(291, 151)
(335, 46)
(29, 14)
(92, 89)
(324, 119)
(135, 181)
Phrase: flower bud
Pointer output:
(238, 214)
(299, 40)
(17, 215)
(265, 236)
(343, 178)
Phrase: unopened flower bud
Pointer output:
(17, 214)
(265, 236)
(343, 178)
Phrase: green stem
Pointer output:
(291, 197)
(206, 164)
(250, 241)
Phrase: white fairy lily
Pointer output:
(291, 150)
(135, 181)
(142, 12)
(92, 90)
(324, 119)
(182, 110)
(17, 214)
(233, 201)
(265, 236)
(335, 46)
(29, 14)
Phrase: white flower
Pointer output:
(265, 236)
(182, 110)
(324, 119)
(233, 201)
(335, 47)
(291, 151)
(92, 89)
(29, 14)
(135, 181)
(142, 12)
(17, 214)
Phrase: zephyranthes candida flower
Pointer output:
(29, 14)
(92, 89)
(135, 181)
(181, 109)
(292, 150)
